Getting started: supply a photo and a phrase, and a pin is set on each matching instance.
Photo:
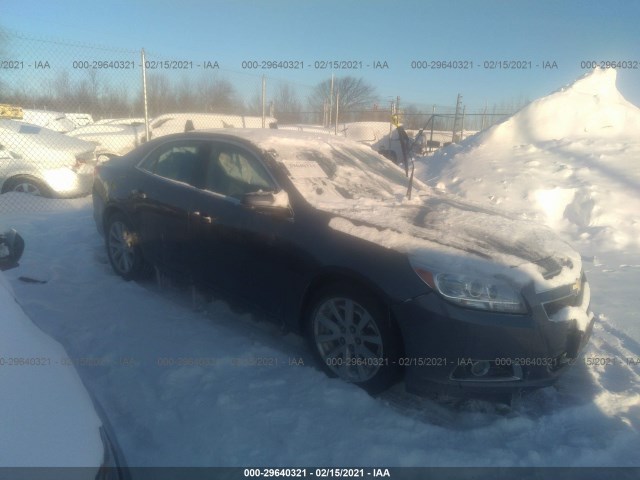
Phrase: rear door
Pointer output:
(164, 200)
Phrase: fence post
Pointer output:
(464, 108)
(484, 114)
(144, 96)
(264, 100)
(455, 119)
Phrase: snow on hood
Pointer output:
(568, 160)
(444, 234)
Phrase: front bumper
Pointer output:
(461, 350)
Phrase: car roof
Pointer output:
(266, 138)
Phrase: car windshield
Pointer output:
(332, 172)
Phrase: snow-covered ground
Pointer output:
(190, 383)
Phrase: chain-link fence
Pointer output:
(65, 107)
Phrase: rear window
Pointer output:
(29, 129)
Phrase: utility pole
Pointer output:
(144, 95)
(455, 118)
(264, 100)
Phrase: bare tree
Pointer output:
(354, 94)
(253, 105)
(219, 95)
(288, 108)
(160, 96)
(187, 96)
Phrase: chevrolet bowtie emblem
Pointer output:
(575, 288)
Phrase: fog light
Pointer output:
(481, 368)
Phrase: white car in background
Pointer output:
(39, 161)
(181, 122)
(80, 119)
(56, 121)
(111, 139)
(136, 121)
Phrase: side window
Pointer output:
(234, 172)
(182, 161)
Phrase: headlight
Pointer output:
(475, 292)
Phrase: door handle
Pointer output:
(138, 194)
(203, 218)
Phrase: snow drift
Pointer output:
(568, 159)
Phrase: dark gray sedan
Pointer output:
(319, 234)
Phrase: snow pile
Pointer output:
(48, 419)
(568, 159)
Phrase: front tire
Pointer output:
(123, 248)
(353, 338)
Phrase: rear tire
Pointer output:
(352, 337)
(27, 184)
(123, 248)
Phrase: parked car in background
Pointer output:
(136, 122)
(80, 119)
(56, 121)
(181, 122)
(39, 161)
(317, 232)
(111, 139)
(51, 420)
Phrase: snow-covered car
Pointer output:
(181, 122)
(56, 121)
(50, 419)
(80, 119)
(136, 122)
(111, 139)
(39, 161)
(383, 276)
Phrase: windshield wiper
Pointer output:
(413, 167)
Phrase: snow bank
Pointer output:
(48, 418)
(568, 159)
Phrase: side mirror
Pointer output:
(11, 248)
(268, 202)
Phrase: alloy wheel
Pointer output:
(121, 247)
(348, 339)
(27, 187)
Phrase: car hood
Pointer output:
(20, 137)
(444, 234)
